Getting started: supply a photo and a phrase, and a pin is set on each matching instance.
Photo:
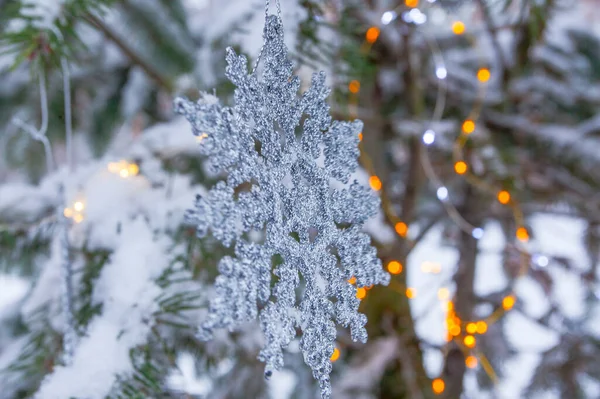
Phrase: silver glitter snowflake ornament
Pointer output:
(280, 151)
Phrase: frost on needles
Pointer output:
(278, 184)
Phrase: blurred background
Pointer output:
(481, 136)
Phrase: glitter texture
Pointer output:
(271, 145)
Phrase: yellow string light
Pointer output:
(360, 136)
(401, 228)
(522, 234)
(460, 167)
(411, 293)
(471, 328)
(481, 327)
(411, 3)
(503, 197)
(78, 206)
(454, 330)
(508, 302)
(375, 183)
(133, 169)
(458, 28)
(483, 75)
(75, 211)
(361, 293)
(468, 126)
(123, 168)
(438, 385)
(352, 280)
(354, 86)
(372, 34)
(469, 341)
(335, 355)
(471, 362)
(394, 267)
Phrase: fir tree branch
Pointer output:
(136, 59)
(489, 24)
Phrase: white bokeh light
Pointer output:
(477, 233)
(388, 17)
(442, 193)
(441, 72)
(428, 137)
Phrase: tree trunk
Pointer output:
(464, 301)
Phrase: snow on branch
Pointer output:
(127, 290)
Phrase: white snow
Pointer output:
(22, 203)
(12, 289)
(46, 12)
(127, 290)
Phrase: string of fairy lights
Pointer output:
(462, 332)
(122, 168)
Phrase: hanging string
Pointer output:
(68, 121)
(262, 48)
(40, 134)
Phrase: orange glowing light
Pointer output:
(360, 136)
(468, 126)
(372, 34)
(471, 362)
(460, 167)
(503, 197)
(401, 229)
(411, 293)
(508, 302)
(394, 267)
(458, 28)
(133, 169)
(483, 75)
(411, 3)
(335, 355)
(481, 327)
(361, 293)
(471, 328)
(469, 341)
(454, 330)
(438, 386)
(522, 234)
(352, 280)
(375, 183)
(354, 86)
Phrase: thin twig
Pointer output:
(40, 134)
(136, 59)
(492, 32)
(68, 120)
